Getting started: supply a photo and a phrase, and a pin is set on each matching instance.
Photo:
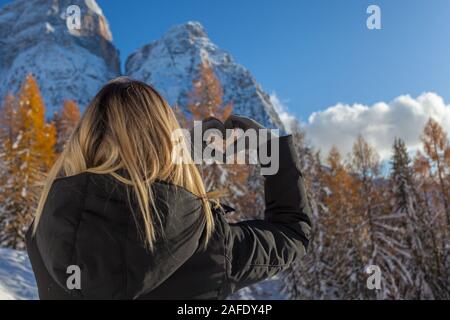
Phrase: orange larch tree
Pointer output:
(28, 152)
(436, 145)
(65, 122)
(206, 98)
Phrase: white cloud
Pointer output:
(403, 117)
(282, 110)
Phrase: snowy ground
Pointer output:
(266, 290)
(16, 277)
(17, 281)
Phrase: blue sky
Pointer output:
(313, 54)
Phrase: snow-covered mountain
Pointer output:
(68, 64)
(73, 64)
(171, 64)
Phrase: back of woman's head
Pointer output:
(127, 131)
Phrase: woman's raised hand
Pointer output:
(247, 141)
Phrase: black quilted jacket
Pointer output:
(87, 222)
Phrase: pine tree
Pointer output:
(28, 152)
(407, 206)
(381, 234)
(361, 218)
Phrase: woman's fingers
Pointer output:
(211, 128)
(241, 122)
(213, 123)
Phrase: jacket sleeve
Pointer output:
(259, 249)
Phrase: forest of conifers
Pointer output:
(397, 219)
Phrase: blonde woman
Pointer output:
(118, 219)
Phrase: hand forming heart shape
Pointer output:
(214, 133)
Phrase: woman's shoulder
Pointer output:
(72, 180)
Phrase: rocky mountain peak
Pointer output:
(189, 30)
(67, 63)
(171, 64)
(74, 63)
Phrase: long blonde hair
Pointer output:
(128, 127)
